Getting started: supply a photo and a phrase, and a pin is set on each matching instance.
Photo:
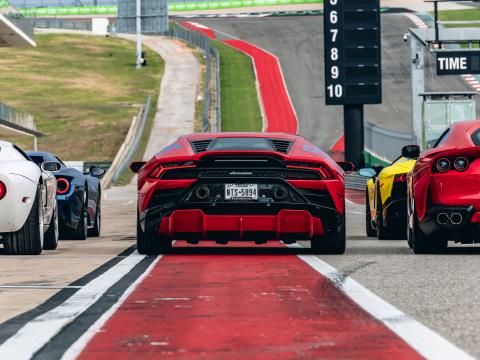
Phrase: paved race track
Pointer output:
(298, 42)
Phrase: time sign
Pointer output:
(353, 73)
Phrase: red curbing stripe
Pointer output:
(200, 28)
(241, 307)
(339, 146)
(279, 111)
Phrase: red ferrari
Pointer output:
(241, 186)
(444, 191)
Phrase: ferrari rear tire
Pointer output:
(97, 224)
(333, 243)
(29, 239)
(50, 241)
(368, 217)
(424, 244)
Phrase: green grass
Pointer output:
(239, 100)
(460, 15)
(82, 90)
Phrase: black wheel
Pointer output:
(50, 241)
(97, 224)
(29, 239)
(424, 244)
(81, 232)
(382, 231)
(333, 243)
(151, 244)
(368, 217)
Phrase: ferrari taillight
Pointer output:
(63, 186)
(157, 172)
(323, 170)
(460, 164)
(399, 178)
(443, 165)
(3, 190)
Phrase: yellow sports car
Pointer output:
(386, 196)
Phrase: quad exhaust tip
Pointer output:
(456, 218)
(280, 193)
(202, 192)
(442, 218)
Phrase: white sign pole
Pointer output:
(139, 34)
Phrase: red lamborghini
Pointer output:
(444, 191)
(241, 186)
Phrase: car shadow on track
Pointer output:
(199, 250)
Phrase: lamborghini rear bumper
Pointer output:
(195, 225)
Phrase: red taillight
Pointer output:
(63, 185)
(157, 172)
(400, 178)
(3, 190)
(323, 170)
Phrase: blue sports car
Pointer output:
(78, 197)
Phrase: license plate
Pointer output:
(241, 191)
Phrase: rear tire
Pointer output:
(29, 239)
(50, 241)
(368, 217)
(383, 232)
(331, 244)
(97, 224)
(148, 244)
(424, 244)
(81, 232)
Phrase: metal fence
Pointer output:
(45, 23)
(136, 142)
(211, 117)
(383, 143)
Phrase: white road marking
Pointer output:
(38, 332)
(422, 339)
(355, 212)
(83, 340)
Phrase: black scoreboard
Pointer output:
(353, 72)
(458, 62)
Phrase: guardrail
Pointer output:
(129, 146)
(211, 117)
(384, 145)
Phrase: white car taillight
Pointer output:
(3, 190)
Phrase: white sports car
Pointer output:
(28, 205)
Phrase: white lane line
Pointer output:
(38, 332)
(83, 340)
(424, 340)
(355, 212)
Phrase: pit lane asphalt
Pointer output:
(298, 43)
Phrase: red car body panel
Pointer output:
(301, 156)
(430, 187)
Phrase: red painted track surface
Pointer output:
(198, 27)
(241, 307)
(277, 105)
